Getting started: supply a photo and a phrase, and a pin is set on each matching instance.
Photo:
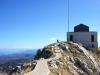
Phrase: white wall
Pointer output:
(84, 38)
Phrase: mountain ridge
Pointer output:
(75, 60)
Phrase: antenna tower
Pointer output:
(68, 16)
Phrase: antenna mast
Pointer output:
(68, 16)
(68, 19)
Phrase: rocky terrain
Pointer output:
(17, 63)
(68, 58)
(62, 58)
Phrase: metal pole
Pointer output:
(68, 16)
(68, 19)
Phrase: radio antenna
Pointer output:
(68, 16)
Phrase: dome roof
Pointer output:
(81, 28)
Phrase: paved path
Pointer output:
(40, 69)
(42, 66)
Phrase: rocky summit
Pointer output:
(66, 58)
(72, 59)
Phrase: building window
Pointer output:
(71, 37)
(92, 45)
(92, 38)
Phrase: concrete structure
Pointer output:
(82, 35)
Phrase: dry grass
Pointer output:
(63, 70)
(60, 70)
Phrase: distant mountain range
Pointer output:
(9, 55)
(17, 51)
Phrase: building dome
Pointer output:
(81, 28)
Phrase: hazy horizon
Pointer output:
(16, 51)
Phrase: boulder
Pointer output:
(72, 59)
(83, 66)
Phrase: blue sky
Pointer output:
(35, 23)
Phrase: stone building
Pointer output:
(82, 35)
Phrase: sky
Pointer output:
(36, 23)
